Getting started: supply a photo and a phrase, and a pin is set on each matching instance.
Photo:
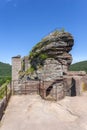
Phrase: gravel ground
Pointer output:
(31, 112)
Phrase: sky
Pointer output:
(23, 23)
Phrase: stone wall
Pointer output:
(49, 90)
(52, 70)
(25, 63)
(76, 83)
(16, 67)
(25, 87)
(52, 90)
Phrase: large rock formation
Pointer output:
(48, 62)
(50, 58)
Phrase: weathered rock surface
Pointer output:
(51, 56)
(49, 60)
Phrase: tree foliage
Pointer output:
(5, 72)
(80, 66)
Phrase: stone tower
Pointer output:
(16, 67)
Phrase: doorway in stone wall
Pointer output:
(73, 88)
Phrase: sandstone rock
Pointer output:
(55, 46)
(50, 59)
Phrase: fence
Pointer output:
(5, 93)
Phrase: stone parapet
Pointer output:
(76, 73)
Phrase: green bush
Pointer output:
(80, 66)
(30, 70)
(33, 55)
(43, 56)
(5, 69)
(4, 79)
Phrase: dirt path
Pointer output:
(30, 112)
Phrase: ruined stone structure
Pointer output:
(49, 62)
(25, 63)
(16, 67)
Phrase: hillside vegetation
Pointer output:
(5, 72)
(5, 69)
(80, 66)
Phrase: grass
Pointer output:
(43, 56)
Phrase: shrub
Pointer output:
(4, 79)
(43, 56)
(33, 54)
(30, 70)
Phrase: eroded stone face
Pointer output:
(51, 57)
(52, 70)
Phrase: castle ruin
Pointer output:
(49, 63)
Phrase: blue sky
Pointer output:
(23, 23)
